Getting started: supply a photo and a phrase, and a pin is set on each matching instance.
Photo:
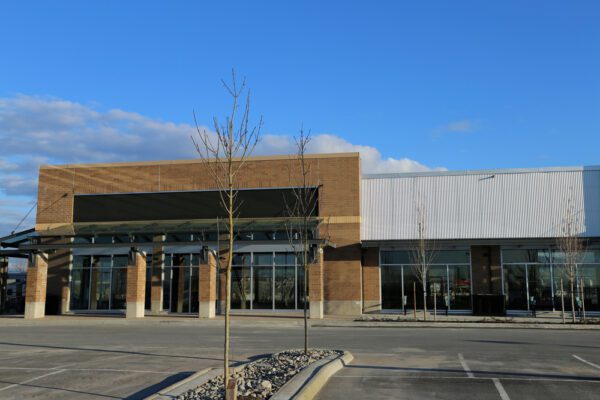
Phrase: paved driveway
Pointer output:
(93, 358)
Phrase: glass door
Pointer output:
(391, 287)
(459, 279)
(515, 286)
(100, 286)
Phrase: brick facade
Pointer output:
(35, 290)
(371, 280)
(337, 175)
(208, 286)
(136, 284)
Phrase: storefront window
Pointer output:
(459, 278)
(240, 281)
(391, 287)
(515, 286)
(448, 281)
(590, 279)
(263, 288)
(538, 274)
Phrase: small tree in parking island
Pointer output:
(572, 246)
(423, 251)
(301, 209)
(224, 154)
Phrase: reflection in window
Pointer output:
(448, 281)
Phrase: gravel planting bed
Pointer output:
(262, 378)
(458, 320)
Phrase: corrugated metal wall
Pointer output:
(480, 205)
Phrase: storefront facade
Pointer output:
(147, 238)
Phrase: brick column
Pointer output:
(486, 270)
(35, 295)
(158, 267)
(208, 286)
(136, 284)
(3, 283)
(315, 287)
(370, 280)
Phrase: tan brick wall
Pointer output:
(339, 175)
(136, 279)
(35, 290)
(315, 279)
(208, 279)
(370, 270)
(342, 266)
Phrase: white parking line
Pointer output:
(450, 377)
(586, 361)
(465, 366)
(32, 379)
(87, 369)
(500, 388)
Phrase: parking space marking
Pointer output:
(86, 369)
(32, 379)
(450, 377)
(465, 366)
(586, 361)
(500, 389)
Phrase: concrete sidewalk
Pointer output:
(546, 320)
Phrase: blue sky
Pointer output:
(412, 85)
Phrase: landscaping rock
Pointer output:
(262, 378)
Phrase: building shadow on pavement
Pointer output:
(168, 381)
(510, 342)
(138, 353)
(483, 374)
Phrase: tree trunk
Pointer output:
(305, 262)
(424, 300)
(415, 300)
(434, 304)
(562, 300)
(572, 300)
(582, 298)
(228, 283)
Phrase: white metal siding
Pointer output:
(484, 205)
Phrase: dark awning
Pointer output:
(141, 233)
(166, 227)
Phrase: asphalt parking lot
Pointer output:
(93, 358)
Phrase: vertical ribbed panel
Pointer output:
(473, 205)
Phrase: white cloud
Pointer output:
(371, 159)
(39, 130)
(462, 126)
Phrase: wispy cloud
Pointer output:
(40, 130)
(462, 126)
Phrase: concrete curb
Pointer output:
(460, 325)
(191, 382)
(308, 383)
(178, 388)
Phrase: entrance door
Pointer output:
(515, 286)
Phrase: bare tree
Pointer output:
(423, 252)
(301, 210)
(224, 153)
(572, 247)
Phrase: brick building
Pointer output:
(145, 238)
